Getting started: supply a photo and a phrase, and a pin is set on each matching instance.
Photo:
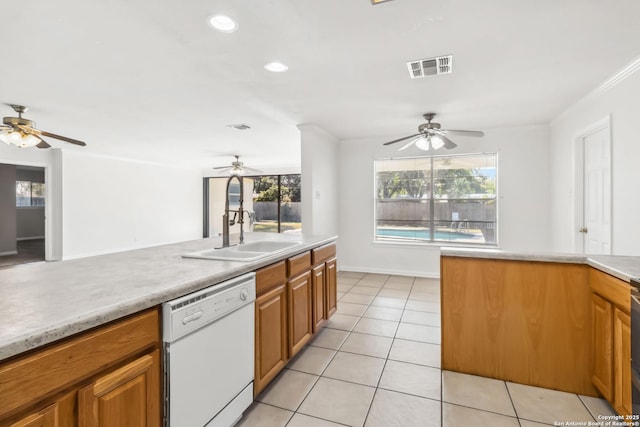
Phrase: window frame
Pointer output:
(431, 201)
(31, 197)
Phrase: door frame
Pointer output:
(579, 193)
(48, 210)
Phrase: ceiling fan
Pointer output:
(237, 168)
(431, 136)
(22, 132)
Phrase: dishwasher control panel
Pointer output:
(190, 312)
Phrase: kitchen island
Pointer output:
(80, 340)
(540, 319)
(44, 302)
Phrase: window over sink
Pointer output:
(449, 199)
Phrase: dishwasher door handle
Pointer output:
(192, 317)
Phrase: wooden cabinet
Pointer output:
(622, 362)
(127, 396)
(325, 265)
(293, 301)
(520, 321)
(97, 378)
(271, 335)
(318, 291)
(602, 324)
(611, 343)
(300, 319)
(331, 286)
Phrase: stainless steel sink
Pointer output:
(245, 252)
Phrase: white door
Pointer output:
(596, 227)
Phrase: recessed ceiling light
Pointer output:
(276, 67)
(223, 23)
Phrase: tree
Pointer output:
(409, 184)
(456, 183)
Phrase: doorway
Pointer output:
(22, 209)
(593, 201)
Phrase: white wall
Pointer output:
(319, 181)
(111, 204)
(618, 98)
(523, 204)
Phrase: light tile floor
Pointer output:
(377, 364)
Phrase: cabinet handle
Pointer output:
(583, 230)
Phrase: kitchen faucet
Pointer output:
(238, 215)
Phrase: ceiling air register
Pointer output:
(430, 67)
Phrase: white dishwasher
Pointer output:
(209, 354)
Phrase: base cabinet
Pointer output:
(622, 362)
(611, 342)
(319, 300)
(109, 376)
(602, 326)
(271, 335)
(300, 319)
(294, 299)
(331, 273)
(126, 396)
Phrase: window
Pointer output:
(29, 193)
(276, 202)
(449, 199)
(273, 202)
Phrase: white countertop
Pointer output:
(43, 302)
(622, 267)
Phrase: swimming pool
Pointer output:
(424, 234)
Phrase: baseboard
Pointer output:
(8, 253)
(427, 275)
(20, 239)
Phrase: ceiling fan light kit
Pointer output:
(23, 133)
(431, 136)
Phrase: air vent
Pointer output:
(430, 67)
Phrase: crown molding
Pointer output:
(608, 84)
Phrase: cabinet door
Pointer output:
(300, 317)
(271, 336)
(47, 417)
(622, 362)
(331, 287)
(127, 396)
(318, 289)
(602, 318)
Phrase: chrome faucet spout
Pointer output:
(237, 214)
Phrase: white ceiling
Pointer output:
(149, 79)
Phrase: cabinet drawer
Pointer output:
(611, 288)
(322, 253)
(270, 276)
(299, 264)
(30, 378)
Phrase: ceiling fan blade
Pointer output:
(476, 133)
(42, 143)
(222, 167)
(448, 144)
(401, 139)
(251, 170)
(63, 138)
(404, 147)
